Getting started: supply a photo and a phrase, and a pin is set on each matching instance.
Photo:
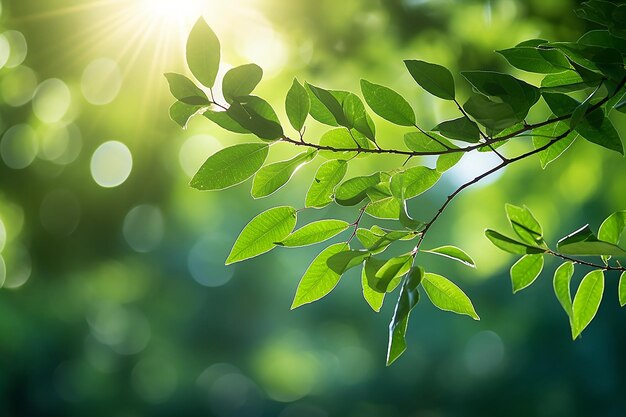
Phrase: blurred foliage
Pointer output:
(115, 300)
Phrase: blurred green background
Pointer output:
(114, 300)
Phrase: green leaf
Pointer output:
(583, 242)
(459, 129)
(297, 105)
(273, 176)
(525, 271)
(587, 301)
(561, 284)
(319, 279)
(241, 81)
(185, 90)
(223, 120)
(315, 232)
(354, 190)
(448, 160)
(531, 59)
(413, 182)
(622, 289)
(510, 245)
(230, 166)
(376, 239)
(598, 129)
(612, 228)
(556, 149)
(435, 79)
(383, 206)
(407, 221)
(357, 117)
(256, 115)
(342, 261)
(259, 236)
(384, 275)
(408, 299)
(445, 295)
(431, 142)
(330, 102)
(560, 104)
(342, 138)
(453, 252)
(374, 298)
(388, 104)
(181, 113)
(563, 82)
(322, 189)
(524, 224)
(519, 95)
(493, 115)
(203, 53)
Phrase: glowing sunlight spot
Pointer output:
(111, 164)
(101, 81)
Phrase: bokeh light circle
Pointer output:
(111, 164)
(18, 266)
(19, 146)
(3, 235)
(18, 48)
(5, 50)
(195, 150)
(143, 227)
(52, 100)
(18, 86)
(101, 81)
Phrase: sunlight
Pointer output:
(172, 12)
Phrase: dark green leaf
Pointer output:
(495, 116)
(259, 236)
(598, 129)
(384, 275)
(388, 104)
(561, 284)
(223, 120)
(563, 82)
(510, 245)
(354, 190)
(256, 115)
(273, 176)
(435, 79)
(453, 252)
(560, 104)
(230, 166)
(241, 81)
(322, 189)
(583, 242)
(319, 279)
(445, 295)
(587, 301)
(459, 129)
(347, 259)
(532, 59)
(315, 232)
(185, 90)
(525, 271)
(409, 296)
(357, 117)
(203, 53)
(330, 102)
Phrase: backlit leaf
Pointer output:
(525, 271)
(273, 176)
(322, 189)
(445, 295)
(587, 301)
(561, 284)
(241, 81)
(453, 252)
(185, 90)
(315, 232)
(203, 53)
(510, 245)
(435, 79)
(408, 299)
(388, 104)
(583, 242)
(297, 105)
(413, 182)
(459, 129)
(354, 190)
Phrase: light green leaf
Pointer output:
(556, 149)
(524, 224)
(315, 232)
(185, 90)
(587, 301)
(241, 81)
(460, 129)
(230, 166)
(330, 102)
(259, 236)
(388, 104)
(510, 245)
(357, 117)
(322, 189)
(448, 160)
(342, 261)
(297, 105)
(181, 113)
(445, 295)
(453, 252)
(383, 275)
(408, 299)
(525, 271)
(421, 142)
(561, 284)
(583, 242)
(354, 190)
(622, 289)
(203, 53)
(413, 182)
(374, 298)
(273, 176)
(319, 279)
(612, 228)
(563, 82)
(532, 59)
(435, 79)
(342, 138)
(385, 208)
